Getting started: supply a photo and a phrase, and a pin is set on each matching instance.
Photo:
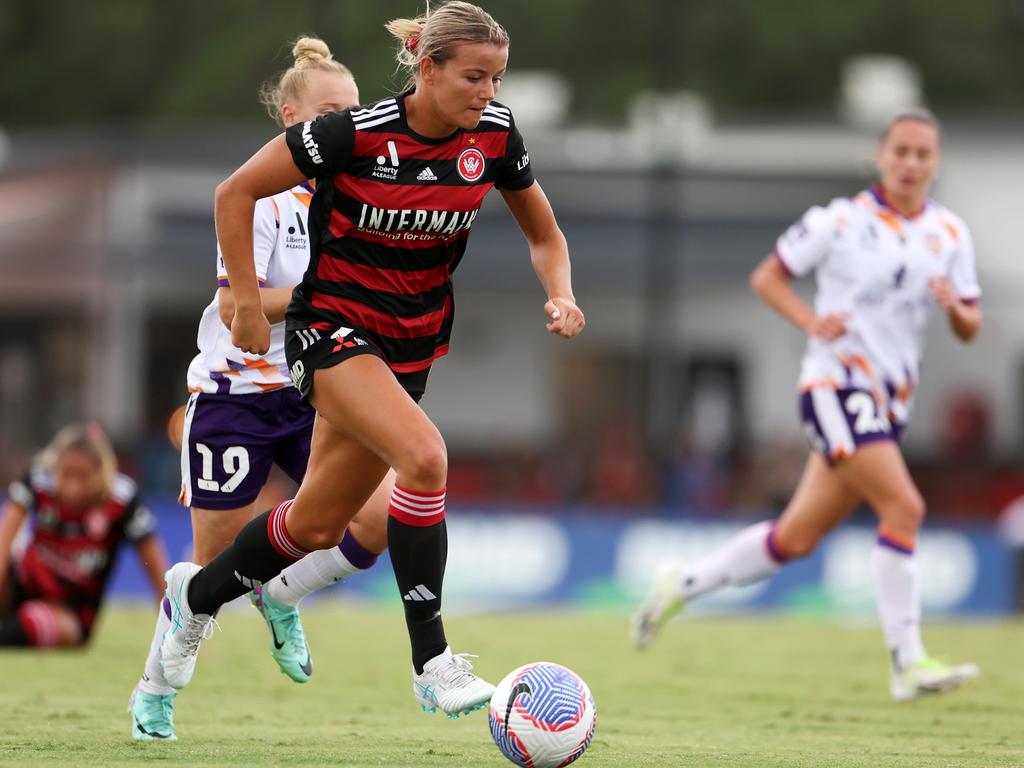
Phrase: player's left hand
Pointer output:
(943, 293)
(565, 318)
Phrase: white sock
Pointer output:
(899, 602)
(742, 559)
(316, 570)
(153, 680)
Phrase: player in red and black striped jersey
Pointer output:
(391, 226)
(81, 511)
(399, 184)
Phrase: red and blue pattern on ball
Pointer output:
(552, 699)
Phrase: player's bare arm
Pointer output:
(549, 254)
(771, 283)
(274, 302)
(964, 318)
(12, 516)
(269, 171)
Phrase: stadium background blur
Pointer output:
(676, 141)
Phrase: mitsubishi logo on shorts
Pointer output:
(344, 342)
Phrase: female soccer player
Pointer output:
(883, 261)
(399, 183)
(82, 510)
(244, 414)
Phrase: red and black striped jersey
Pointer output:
(390, 220)
(71, 552)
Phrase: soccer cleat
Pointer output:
(180, 646)
(448, 683)
(661, 604)
(288, 643)
(929, 676)
(152, 716)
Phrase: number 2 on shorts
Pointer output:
(863, 407)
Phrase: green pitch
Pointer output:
(764, 692)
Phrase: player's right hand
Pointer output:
(250, 331)
(565, 318)
(827, 327)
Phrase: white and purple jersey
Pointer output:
(281, 251)
(872, 266)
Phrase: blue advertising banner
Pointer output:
(502, 559)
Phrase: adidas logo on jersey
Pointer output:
(426, 175)
(419, 593)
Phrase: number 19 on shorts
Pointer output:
(234, 460)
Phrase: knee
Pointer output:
(320, 534)
(916, 512)
(906, 513)
(371, 531)
(796, 544)
(425, 463)
(323, 538)
(74, 640)
(70, 632)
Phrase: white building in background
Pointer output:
(665, 217)
(748, 185)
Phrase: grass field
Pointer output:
(753, 692)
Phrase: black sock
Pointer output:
(249, 561)
(12, 632)
(418, 556)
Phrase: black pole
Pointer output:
(664, 253)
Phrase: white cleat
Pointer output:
(448, 683)
(661, 604)
(929, 676)
(180, 645)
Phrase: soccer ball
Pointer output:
(542, 715)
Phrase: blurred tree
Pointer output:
(751, 53)
(69, 61)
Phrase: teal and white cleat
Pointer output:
(448, 684)
(929, 676)
(288, 643)
(180, 645)
(152, 716)
(663, 601)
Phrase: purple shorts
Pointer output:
(231, 441)
(839, 421)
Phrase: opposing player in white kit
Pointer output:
(883, 260)
(245, 415)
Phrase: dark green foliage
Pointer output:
(67, 61)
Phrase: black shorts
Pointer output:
(84, 609)
(17, 591)
(308, 349)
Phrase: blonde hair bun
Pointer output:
(310, 51)
(311, 54)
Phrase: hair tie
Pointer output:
(411, 43)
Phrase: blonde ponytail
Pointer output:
(435, 35)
